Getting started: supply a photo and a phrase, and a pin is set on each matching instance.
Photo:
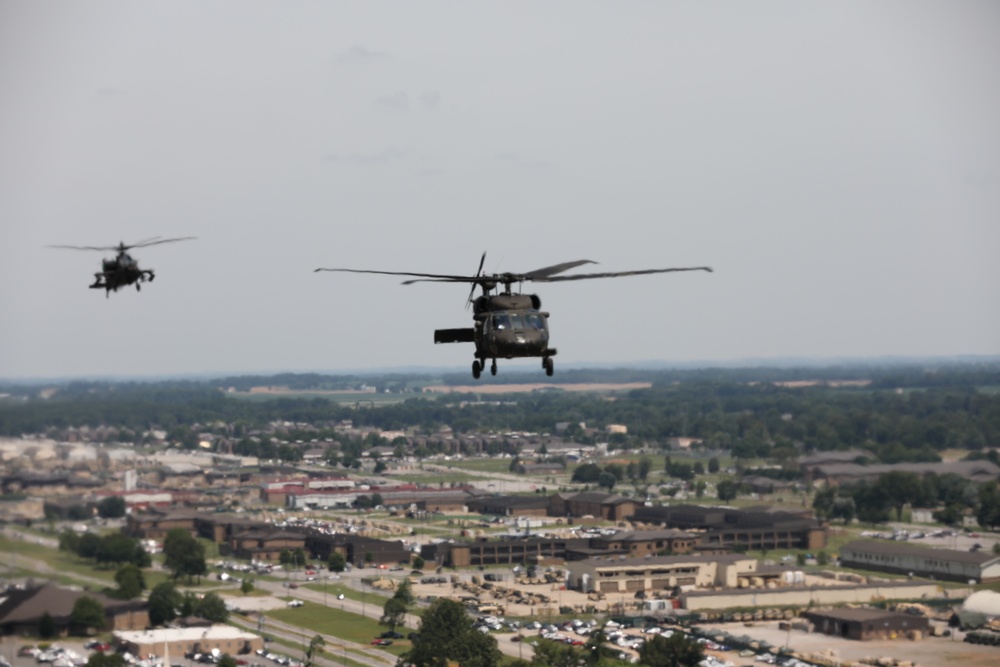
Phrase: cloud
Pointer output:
(398, 101)
(366, 158)
(109, 91)
(430, 99)
(360, 54)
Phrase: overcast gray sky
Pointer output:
(837, 163)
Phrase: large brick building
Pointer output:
(720, 527)
(607, 506)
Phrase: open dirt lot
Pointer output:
(928, 652)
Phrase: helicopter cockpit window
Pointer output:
(516, 321)
(501, 321)
(533, 321)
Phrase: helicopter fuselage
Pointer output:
(506, 326)
(121, 271)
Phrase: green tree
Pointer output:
(393, 613)
(418, 563)
(212, 607)
(115, 549)
(607, 480)
(46, 626)
(673, 651)
(87, 616)
(713, 465)
(131, 582)
(246, 586)
(727, 489)
(69, 541)
(87, 545)
(823, 502)
(587, 473)
(446, 634)
(102, 659)
(315, 649)
(901, 488)
(183, 554)
(163, 603)
(336, 562)
(645, 466)
(404, 592)
(112, 507)
(988, 514)
(226, 661)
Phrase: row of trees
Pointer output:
(751, 420)
(111, 549)
(884, 499)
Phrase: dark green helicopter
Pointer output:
(122, 270)
(508, 325)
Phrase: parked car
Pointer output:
(389, 634)
(381, 642)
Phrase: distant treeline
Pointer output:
(911, 415)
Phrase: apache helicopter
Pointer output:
(123, 270)
(508, 325)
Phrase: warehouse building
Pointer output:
(865, 623)
(903, 558)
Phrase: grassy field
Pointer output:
(333, 590)
(481, 465)
(315, 618)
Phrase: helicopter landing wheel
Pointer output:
(138, 287)
(548, 365)
(477, 369)
(493, 367)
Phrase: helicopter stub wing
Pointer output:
(454, 335)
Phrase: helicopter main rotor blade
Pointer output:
(84, 247)
(617, 274)
(435, 277)
(479, 271)
(557, 268)
(156, 240)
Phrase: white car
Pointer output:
(295, 603)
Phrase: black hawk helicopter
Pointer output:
(508, 325)
(123, 270)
